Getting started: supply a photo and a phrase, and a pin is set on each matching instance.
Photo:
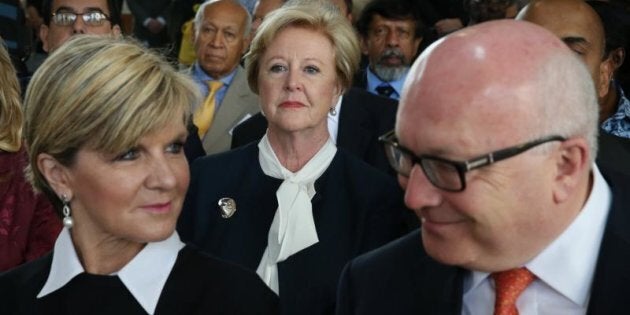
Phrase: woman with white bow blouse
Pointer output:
(294, 207)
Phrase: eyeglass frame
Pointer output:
(107, 17)
(462, 167)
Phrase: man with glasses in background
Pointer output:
(495, 142)
(65, 18)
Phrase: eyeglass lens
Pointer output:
(89, 18)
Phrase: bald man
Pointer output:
(221, 37)
(510, 201)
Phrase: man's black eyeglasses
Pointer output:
(447, 174)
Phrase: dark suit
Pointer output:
(144, 9)
(400, 278)
(362, 119)
(355, 209)
(360, 78)
(193, 148)
(614, 152)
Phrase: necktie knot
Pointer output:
(385, 90)
(214, 86)
(509, 285)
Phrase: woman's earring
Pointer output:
(67, 219)
(333, 111)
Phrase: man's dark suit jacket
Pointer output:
(193, 148)
(362, 119)
(360, 78)
(400, 278)
(614, 153)
(356, 208)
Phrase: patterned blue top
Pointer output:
(619, 123)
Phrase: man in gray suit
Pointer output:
(222, 34)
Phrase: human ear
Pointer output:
(116, 31)
(55, 174)
(605, 75)
(364, 46)
(43, 36)
(617, 57)
(572, 163)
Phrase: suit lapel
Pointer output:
(355, 128)
(440, 287)
(239, 101)
(612, 273)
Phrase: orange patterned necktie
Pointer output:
(509, 285)
(205, 113)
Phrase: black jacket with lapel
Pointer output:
(400, 278)
(356, 208)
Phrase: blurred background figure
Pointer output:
(181, 30)
(105, 145)
(249, 5)
(579, 26)
(150, 22)
(615, 113)
(391, 34)
(16, 35)
(618, 24)
(449, 15)
(487, 10)
(28, 223)
(65, 18)
(34, 20)
(293, 206)
(262, 8)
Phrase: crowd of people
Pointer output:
(315, 157)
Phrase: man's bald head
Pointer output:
(580, 28)
(494, 86)
(497, 76)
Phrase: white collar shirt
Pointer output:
(144, 276)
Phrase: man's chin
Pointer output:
(390, 73)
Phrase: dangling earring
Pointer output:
(67, 219)
(333, 111)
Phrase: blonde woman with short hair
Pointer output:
(106, 122)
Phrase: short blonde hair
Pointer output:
(100, 93)
(319, 16)
(10, 105)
